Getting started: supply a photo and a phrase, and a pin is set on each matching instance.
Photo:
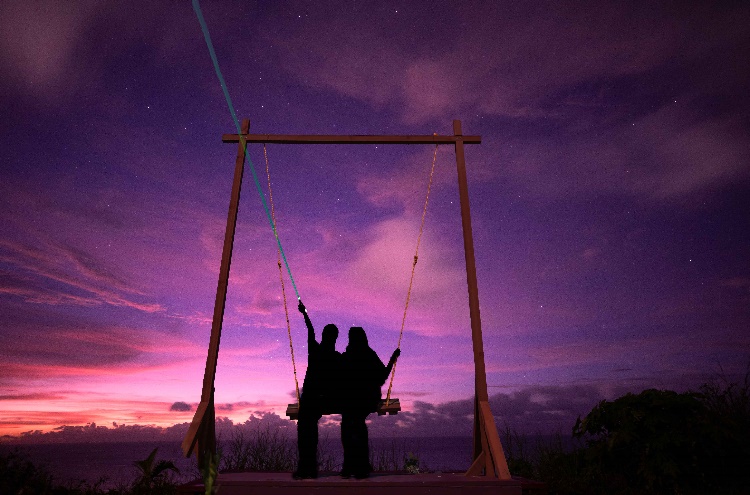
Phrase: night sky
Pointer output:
(610, 202)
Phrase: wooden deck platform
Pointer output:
(376, 484)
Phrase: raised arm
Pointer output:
(392, 362)
(310, 330)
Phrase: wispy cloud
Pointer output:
(33, 396)
(507, 60)
(44, 347)
(58, 274)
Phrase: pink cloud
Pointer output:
(33, 396)
(363, 277)
(736, 282)
(406, 184)
(670, 154)
(79, 353)
(694, 155)
(40, 41)
(86, 408)
(20, 371)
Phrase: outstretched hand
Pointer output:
(395, 355)
(301, 307)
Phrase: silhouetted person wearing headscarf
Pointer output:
(364, 374)
(320, 389)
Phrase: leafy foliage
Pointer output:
(153, 475)
(728, 446)
(411, 463)
(651, 441)
(19, 475)
(654, 442)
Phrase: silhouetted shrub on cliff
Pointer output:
(658, 442)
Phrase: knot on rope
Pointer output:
(415, 259)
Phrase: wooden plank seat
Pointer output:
(393, 407)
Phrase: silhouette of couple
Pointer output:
(348, 383)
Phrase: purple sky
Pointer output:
(609, 203)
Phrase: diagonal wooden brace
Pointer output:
(202, 428)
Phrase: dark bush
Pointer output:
(654, 442)
(18, 475)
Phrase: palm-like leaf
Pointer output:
(163, 466)
(151, 469)
(146, 466)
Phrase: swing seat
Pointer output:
(393, 407)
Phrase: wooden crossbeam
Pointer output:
(325, 139)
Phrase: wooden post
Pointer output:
(202, 428)
(488, 452)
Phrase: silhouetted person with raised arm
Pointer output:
(319, 390)
(363, 375)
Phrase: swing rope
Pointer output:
(413, 267)
(281, 275)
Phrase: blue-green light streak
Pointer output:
(207, 36)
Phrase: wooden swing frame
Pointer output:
(488, 456)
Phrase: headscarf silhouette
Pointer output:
(364, 374)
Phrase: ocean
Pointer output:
(90, 462)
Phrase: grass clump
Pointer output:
(264, 450)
